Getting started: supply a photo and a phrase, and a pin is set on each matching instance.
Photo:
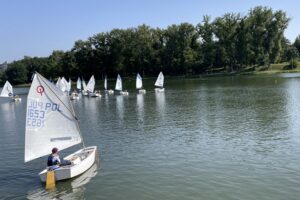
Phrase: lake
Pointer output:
(208, 138)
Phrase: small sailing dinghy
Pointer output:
(105, 87)
(7, 91)
(91, 86)
(139, 84)
(75, 94)
(159, 83)
(84, 91)
(51, 122)
(119, 86)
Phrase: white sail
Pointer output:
(78, 84)
(69, 85)
(91, 84)
(84, 85)
(57, 82)
(119, 83)
(105, 83)
(139, 83)
(7, 90)
(50, 120)
(160, 80)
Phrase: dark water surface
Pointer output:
(210, 138)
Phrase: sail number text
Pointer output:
(36, 112)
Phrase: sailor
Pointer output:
(54, 161)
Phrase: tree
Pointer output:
(297, 43)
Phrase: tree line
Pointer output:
(230, 43)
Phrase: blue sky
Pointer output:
(36, 27)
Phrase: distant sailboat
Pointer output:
(78, 85)
(52, 122)
(119, 86)
(7, 91)
(84, 91)
(105, 87)
(160, 83)
(91, 86)
(139, 84)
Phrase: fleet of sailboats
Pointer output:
(52, 122)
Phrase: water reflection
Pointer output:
(160, 103)
(71, 189)
(140, 107)
(120, 107)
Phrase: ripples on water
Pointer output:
(214, 138)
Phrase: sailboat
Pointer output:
(119, 86)
(159, 83)
(139, 84)
(7, 91)
(91, 86)
(52, 122)
(84, 91)
(75, 95)
(105, 87)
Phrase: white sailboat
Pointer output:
(139, 84)
(91, 86)
(75, 95)
(7, 91)
(159, 83)
(105, 87)
(51, 122)
(84, 91)
(119, 86)
(78, 85)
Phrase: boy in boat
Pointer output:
(54, 160)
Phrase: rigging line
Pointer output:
(71, 111)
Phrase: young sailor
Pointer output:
(54, 161)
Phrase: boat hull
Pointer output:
(159, 89)
(142, 91)
(81, 160)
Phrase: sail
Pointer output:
(57, 82)
(69, 85)
(50, 120)
(105, 83)
(91, 84)
(139, 83)
(7, 90)
(78, 84)
(119, 83)
(84, 85)
(160, 80)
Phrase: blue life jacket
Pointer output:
(51, 161)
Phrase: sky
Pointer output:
(36, 27)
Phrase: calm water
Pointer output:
(212, 138)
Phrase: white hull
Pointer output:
(159, 89)
(124, 93)
(85, 93)
(74, 97)
(81, 160)
(94, 95)
(16, 99)
(109, 91)
(142, 91)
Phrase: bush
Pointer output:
(292, 64)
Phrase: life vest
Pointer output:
(52, 161)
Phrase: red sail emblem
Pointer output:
(40, 89)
